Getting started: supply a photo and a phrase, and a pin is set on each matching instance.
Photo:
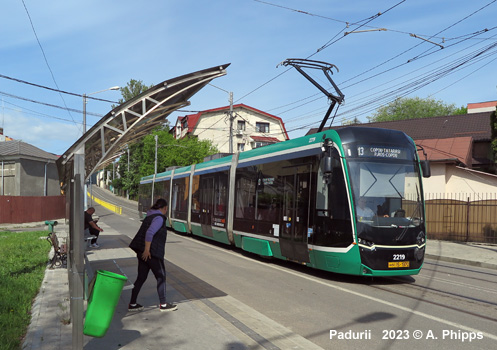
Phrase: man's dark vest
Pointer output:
(157, 248)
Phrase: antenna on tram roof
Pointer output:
(300, 63)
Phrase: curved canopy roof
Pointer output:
(130, 121)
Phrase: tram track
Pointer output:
(461, 284)
(459, 268)
(428, 294)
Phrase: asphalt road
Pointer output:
(446, 306)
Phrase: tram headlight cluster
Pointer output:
(420, 240)
(419, 252)
(366, 243)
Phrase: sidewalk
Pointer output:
(206, 317)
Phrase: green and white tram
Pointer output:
(348, 200)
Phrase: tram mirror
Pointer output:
(328, 165)
(425, 168)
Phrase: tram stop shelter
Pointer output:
(105, 141)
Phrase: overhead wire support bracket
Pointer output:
(365, 31)
(299, 64)
(431, 42)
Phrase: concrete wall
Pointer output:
(32, 176)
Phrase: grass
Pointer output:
(23, 260)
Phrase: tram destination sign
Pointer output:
(372, 151)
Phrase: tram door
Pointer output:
(206, 205)
(296, 201)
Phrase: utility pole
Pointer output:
(156, 137)
(231, 122)
(127, 177)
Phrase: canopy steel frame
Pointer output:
(101, 144)
(128, 122)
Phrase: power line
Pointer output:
(46, 60)
(52, 89)
(329, 43)
(49, 105)
(444, 70)
(30, 111)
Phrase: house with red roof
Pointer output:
(478, 107)
(250, 128)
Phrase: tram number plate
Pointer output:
(397, 264)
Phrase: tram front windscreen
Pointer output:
(387, 200)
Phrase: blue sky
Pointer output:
(94, 45)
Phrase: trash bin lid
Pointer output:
(112, 275)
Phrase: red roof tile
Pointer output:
(476, 125)
(457, 149)
(265, 139)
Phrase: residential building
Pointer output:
(482, 107)
(251, 128)
(26, 170)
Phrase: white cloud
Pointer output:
(50, 136)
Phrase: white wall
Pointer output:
(435, 183)
(470, 181)
(449, 179)
(215, 127)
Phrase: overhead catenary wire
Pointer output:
(374, 102)
(472, 35)
(45, 57)
(52, 89)
(49, 105)
(326, 45)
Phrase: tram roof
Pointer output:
(132, 120)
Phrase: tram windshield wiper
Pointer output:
(411, 221)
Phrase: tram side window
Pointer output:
(165, 190)
(195, 194)
(144, 197)
(220, 194)
(158, 190)
(269, 192)
(333, 223)
(245, 193)
(180, 198)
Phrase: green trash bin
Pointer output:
(104, 296)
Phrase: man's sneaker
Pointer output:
(94, 245)
(135, 307)
(168, 307)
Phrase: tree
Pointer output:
(351, 122)
(132, 89)
(493, 128)
(170, 151)
(414, 108)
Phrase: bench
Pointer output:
(60, 251)
(60, 254)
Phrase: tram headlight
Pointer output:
(420, 240)
(366, 243)
(419, 251)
